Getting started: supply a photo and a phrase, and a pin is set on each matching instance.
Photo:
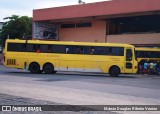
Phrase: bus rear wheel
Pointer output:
(48, 68)
(114, 71)
(34, 68)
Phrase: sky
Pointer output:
(25, 7)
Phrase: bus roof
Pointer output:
(146, 49)
(68, 43)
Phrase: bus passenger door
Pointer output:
(129, 61)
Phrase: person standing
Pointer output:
(140, 68)
(151, 68)
(145, 67)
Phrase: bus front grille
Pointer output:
(11, 62)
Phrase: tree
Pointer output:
(16, 27)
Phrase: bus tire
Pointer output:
(114, 71)
(48, 68)
(34, 68)
(41, 71)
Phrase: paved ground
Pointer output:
(15, 100)
(8, 100)
(80, 89)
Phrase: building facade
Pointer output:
(117, 21)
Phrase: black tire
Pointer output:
(48, 68)
(40, 71)
(114, 71)
(34, 68)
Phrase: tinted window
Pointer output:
(80, 49)
(58, 49)
(30, 48)
(117, 51)
(45, 48)
(88, 50)
(148, 54)
(75, 49)
(101, 51)
(15, 47)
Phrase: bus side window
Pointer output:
(37, 48)
(49, 48)
(34, 48)
(44, 48)
(17, 47)
(86, 50)
(67, 49)
(101, 50)
(79, 50)
(72, 49)
(98, 50)
(58, 49)
(23, 47)
(30, 48)
(91, 50)
(117, 51)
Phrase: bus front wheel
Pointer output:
(114, 71)
(34, 67)
(48, 68)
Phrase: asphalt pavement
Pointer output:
(79, 88)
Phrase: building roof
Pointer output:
(93, 10)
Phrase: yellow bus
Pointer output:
(52, 56)
(147, 54)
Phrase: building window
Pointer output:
(135, 25)
(68, 26)
(84, 24)
(77, 25)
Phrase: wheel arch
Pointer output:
(115, 66)
(114, 71)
